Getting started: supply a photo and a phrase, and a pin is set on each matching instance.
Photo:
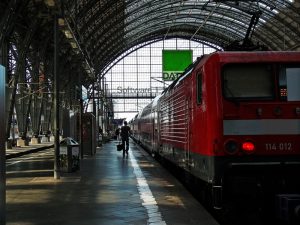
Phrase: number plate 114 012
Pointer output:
(283, 146)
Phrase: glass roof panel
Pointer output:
(109, 27)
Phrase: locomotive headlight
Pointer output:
(231, 147)
(248, 147)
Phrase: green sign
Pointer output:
(175, 62)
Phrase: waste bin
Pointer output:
(69, 155)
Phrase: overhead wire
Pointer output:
(204, 22)
(174, 19)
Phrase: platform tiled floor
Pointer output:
(19, 151)
(108, 190)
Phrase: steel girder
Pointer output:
(27, 31)
(110, 28)
(106, 29)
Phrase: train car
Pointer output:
(133, 124)
(232, 120)
(146, 123)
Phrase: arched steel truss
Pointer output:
(95, 34)
(110, 28)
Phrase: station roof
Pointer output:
(106, 29)
(109, 28)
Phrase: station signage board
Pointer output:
(174, 62)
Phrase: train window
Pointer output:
(199, 88)
(248, 81)
(289, 83)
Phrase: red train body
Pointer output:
(232, 120)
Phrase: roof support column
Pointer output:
(56, 100)
(2, 149)
(3, 64)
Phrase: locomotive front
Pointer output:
(260, 124)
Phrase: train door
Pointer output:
(188, 108)
(155, 130)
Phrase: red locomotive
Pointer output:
(232, 120)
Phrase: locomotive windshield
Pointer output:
(258, 81)
(248, 81)
(289, 83)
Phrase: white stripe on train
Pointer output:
(261, 127)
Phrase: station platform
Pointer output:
(108, 189)
(19, 151)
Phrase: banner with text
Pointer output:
(174, 63)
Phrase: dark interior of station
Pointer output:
(57, 59)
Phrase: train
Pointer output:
(231, 121)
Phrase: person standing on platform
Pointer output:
(125, 131)
(118, 134)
